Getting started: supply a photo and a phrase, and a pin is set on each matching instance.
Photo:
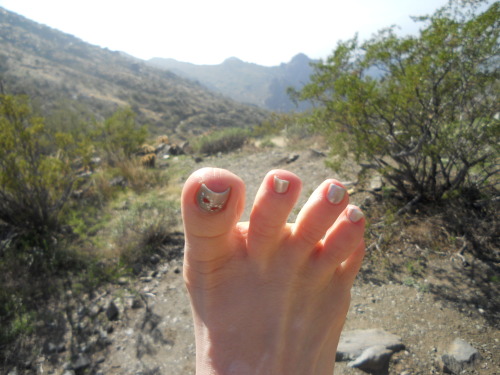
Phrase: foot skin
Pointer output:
(268, 297)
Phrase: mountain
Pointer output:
(245, 82)
(61, 72)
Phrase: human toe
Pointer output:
(275, 200)
(319, 213)
(212, 202)
(343, 238)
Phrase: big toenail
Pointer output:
(354, 214)
(280, 186)
(335, 194)
(212, 201)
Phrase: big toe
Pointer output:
(212, 202)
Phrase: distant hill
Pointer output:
(247, 82)
(61, 72)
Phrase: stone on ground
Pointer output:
(460, 356)
(375, 359)
(353, 343)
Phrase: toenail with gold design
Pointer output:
(280, 186)
(355, 214)
(212, 201)
(335, 194)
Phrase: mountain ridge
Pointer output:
(247, 82)
(59, 70)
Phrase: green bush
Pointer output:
(119, 136)
(421, 110)
(226, 140)
(36, 179)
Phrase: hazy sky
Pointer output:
(266, 32)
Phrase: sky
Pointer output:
(265, 32)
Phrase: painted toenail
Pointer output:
(212, 201)
(355, 214)
(280, 186)
(335, 194)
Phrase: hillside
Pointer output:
(60, 71)
(247, 82)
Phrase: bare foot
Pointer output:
(268, 297)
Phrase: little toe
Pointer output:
(212, 202)
(343, 238)
(274, 201)
(319, 213)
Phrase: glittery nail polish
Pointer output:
(212, 201)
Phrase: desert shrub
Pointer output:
(267, 142)
(35, 182)
(221, 141)
(138, 177)
(273, 125)
(119, 136)
(421, 110)
(144, 227)
(297, 130)
(294, 127)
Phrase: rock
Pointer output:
(160, 147)
(51, 348)
(292, 158)
(137, 303)
(82, 362)
(317, 153)
(376, 183)
(101, 359)
(112, 311)
(175, 150)
(104, 340)
(353, 343)
(460, 356)
(118, 181)
(155, 259)
(94, 311)
(373, 359)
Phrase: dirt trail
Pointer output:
(426, 320)
(153, 334)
